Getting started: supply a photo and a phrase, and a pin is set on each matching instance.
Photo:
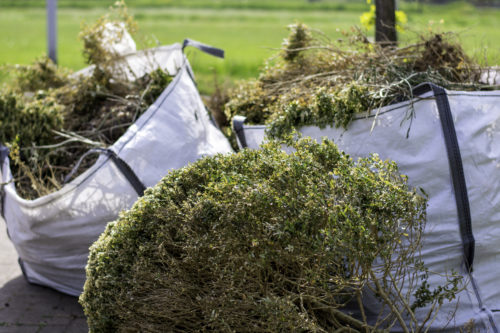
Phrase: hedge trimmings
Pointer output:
(316, 81)
(49, 118)
(261, 241)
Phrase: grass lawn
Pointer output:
(247, 30)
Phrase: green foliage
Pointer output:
(424, 296)
(28, 123)
(154, 83)
(42, 74)
(260, 241)
(52, 128)
(337, 106)
(81, 98)
(250, 99)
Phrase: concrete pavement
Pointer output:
(26, 308)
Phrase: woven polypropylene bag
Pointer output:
(462, 233)
(53, 233)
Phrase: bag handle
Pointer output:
(124, 168)
(216, 52)
(238, 122)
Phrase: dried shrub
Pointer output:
(297, 41)
(316, 81)
(43, 74)
(216, 103)
(262, 241)
(17, 120)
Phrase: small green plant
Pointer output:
(262, 241)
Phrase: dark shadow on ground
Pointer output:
(27, 308)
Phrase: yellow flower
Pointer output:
(401, 20)
(368, 18)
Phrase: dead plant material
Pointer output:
(316, 81)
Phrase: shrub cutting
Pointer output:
(264, 241)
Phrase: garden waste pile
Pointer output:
(316, 81)
(127, 109)
(428, 107)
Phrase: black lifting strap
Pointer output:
(456, 169)
(127, 171)
(124, 168)
(203, 47)
(238, 122)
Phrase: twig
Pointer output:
(389, 302)
(75, 137)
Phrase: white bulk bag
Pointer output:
(53, 233)
(448, 143)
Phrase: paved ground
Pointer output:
(26, 308)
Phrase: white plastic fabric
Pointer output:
(423, 157)
(117, 39)
(136, 64)
(491, 76)
(52, 234)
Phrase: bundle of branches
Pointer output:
(49, 118)
(316, 81)
(265, 241)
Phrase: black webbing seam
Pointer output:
(456, 170)
(238, 122)
(127, 171)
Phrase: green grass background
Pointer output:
(247, 30)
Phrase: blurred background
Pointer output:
(249, 31)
